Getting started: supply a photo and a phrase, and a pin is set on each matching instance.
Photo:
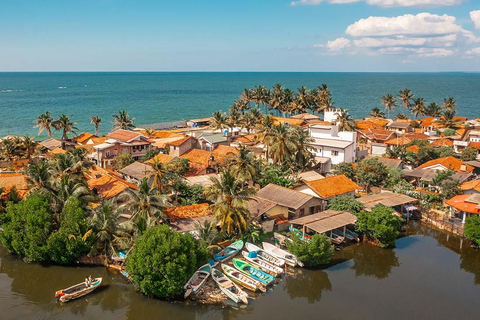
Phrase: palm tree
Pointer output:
(405, 96)
(323, 98)
(29, 145)
(376, 113)
(389, 102)
(288, 102)
(123, 121)
(418, 107)
(247, 96)
(206, 231)
(449, 104)
(44, 122)
(9, 148)
(250, 119)
(448, 120)
(219, 121)
(433, 110)
(39, 177)
(280, 143)
(304, 99)
(159, 170)
(96, 121)
(345, 121)
(304, 157)
(146, 205)
(234, 117)
(261, 95)
(230, 202)
(243, 165)
(63, 123)
(276, 97)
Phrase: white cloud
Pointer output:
(384, 3)
(473, 52)
(419, 52)
(403, 41)
(338, 44)
(413, 25)
(475, 15)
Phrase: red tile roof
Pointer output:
(413, 148)
(449, 163)
(123, 135)
(180, 141)
(471, 185)
(459, 203)
(8, 181)
(84, 137)
(475, 145)
(399, 141)
(333, 186)
(191, 211)
(444, 142)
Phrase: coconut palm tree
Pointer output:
(96, 121)
(449, 104)
(159, 170)
(145, 206)
(276, 97)
(234, 116)
(243, 165)
(376, 113)
(247, 96)
(345, 121)
(207, 231)
(39, 177)
(304, 99)
(389, 102)
(251, 119)
(261, 95)
(418, 107)
(289, 102)
(44, 122)
(29, 144)
(64, 124)
(122, 121)
(304, 156)
(433, 110)
(230, 202)
(219, 121)
(323, 98)
(9, 148)
(448, 121)
(405, 96)
(280, 143)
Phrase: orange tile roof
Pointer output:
(425, 122)
(198, 160)
(377, 134)
(108, 183)
(123, 135)
(458, 202)
(84, 137)
(98, 140)
(416, 136)
(279, 120)
(471, 185)
(399, 141)
(179, 142)
(189, 212)
(413, 148)
(333, 186)
(449, 163)
(444, 142)
(476, 145)
(57, 151)
(223, 152)
(162, 158)
(8, 181)
(460, 132)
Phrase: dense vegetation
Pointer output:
(380, 224)
(315, 252)
(345, 203)
(472, 229)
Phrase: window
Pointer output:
(125, 150)
(334, 153)
(302, 212)
(107, 153)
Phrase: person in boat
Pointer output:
(87, 283)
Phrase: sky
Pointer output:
(241, 35)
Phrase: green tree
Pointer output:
(433, 110)
(380, 224)
(163, 261)
(371, 172)
(64, 124)
(472, 229)
(395, 176)
(277, 175)
(376, 113)
(243, 165)
(345, 203)
(44, 122)
(96, 121)
(345, 121)
(123, 160)
(389, 102)
(149, 154)
(281, 143)
(345, 168)
(318, 251)
(445, 151)
(450, 188)
(405, 96)
(418, 108)
(123, 121)
(469, 154)
(219, 121)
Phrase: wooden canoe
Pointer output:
(290, 259)
(77, 291)
(198, 279)
(229, 288)
(242, 279)
(264, 255)
(261, 264)
(229, 251)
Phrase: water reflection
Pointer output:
(370, 261)
(307, 284)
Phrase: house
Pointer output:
(297, 203)
(447, 163)
(310, 175)
(107, 184)
(329, 187)
(188, 218)
(84, 138)
(290, 121)
(208, 142)
(10, 181)
(374, 140)
(391, 163)
(161, 158)
(136, 172)
(399, 202)
(471, 187)
(203, 180)
(442, 142)
(204, 162)
(400, 127)
(201, 122)
(413, 148)
(464, 205)
(180, 146)
(120, 142)
(329, 143)
(269, 214)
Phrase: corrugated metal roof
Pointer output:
(388, 199)
(326, 220)
(283, 196)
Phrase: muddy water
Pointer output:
(430, 275)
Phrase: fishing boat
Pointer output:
(198, 279)
(307, 237)
(264, 255)
(228, 287)
(350, 235)
(262, 264)
(336, 238)
(78, 290)
(243, 280)
(229, 251)
(253, 272)
(290, 259)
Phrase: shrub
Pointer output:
(345, 203)
(371, 172)
(469, 154)
(163, 261)
(319, 250)
(380, 224)
(345, 168)
(123, 160)
(472, 229)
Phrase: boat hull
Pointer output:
(253, 272)
(64, 296)
(229, 252)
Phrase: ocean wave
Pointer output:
(10, 90)
(61, 87)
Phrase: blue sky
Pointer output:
(245, 35)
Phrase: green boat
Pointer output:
(253, 272)
(229, 251)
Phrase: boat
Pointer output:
(243, 280)
(264, 255)
(78, 290)
(253, 272)
(228, 287)
(334, 237)
(350, 235)
(307, 237)
(262, 264)
(290, 259)
(229, 251)
(198, 279)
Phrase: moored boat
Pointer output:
(78, 290)
(242, 279)
(228, 287)
(198, 279)
(264, 255)
(253, 272)
(229, 251)
(262, 264)
(290, 259)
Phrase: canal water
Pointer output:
(430, 275)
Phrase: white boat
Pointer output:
(243, 280)
(264, 255)
(290, 259)
(262, 264)
(78, 290)
(198, 279)
(228, 287)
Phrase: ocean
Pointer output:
(153, 97)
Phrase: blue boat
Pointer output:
(253, 272)
(229, 251)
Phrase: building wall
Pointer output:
(183, 148)
(310, 207)
(379, 150)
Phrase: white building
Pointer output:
(332, 147)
